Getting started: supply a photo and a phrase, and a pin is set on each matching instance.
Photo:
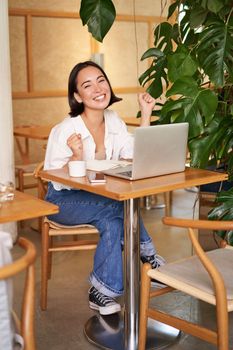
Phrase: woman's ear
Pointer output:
(77, 97)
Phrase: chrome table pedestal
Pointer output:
(111, 332)
(107, 332)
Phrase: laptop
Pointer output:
(158, 150)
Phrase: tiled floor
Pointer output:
(61, 326)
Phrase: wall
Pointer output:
(6, 120)
(47, 39)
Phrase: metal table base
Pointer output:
(125, 336)
(106, 332)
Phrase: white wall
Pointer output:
(6, 121)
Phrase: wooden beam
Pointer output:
(61, 14)
(28, 30)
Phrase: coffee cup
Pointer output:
(77, 168)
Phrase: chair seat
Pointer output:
(27, 168)
(59, 229)
(56, 225)
(189, 274)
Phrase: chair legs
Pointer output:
(167, 203)
(44, 265)
(144, 303)
(50, 242)
(222, 322)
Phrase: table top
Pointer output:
(121, 189)
(39, 132)
(134, 121)
(25, 206)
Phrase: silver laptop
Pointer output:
(158, 150)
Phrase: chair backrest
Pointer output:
(42, 184)
(24, 324)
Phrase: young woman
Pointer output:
(92, 131)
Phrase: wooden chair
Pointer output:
(24, 324)
(207, 276)
(50, 230)
(24, 179)
(24, 172)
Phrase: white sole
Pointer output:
(105, 310)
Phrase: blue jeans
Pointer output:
(107, 215)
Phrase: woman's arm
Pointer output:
(146, 103)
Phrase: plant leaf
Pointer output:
(213, 5)
(215, 50)
(157, 75)
(197, 16)
(163, 37)
(180, 64)
(153, 52)
(99, 16)
(172, 8)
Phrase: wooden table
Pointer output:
(38, 132)
(130, 192)
(134, 121)
(24, 206)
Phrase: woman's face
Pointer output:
(93, 89)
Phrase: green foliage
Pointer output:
(224, 212)
(99, 16)
(192, 64)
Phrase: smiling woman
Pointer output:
(88, 74)
(92, 131)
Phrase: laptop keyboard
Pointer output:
(126, 173)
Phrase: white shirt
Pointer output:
(118, 141)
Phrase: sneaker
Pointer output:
(101, 302)
(155, 261)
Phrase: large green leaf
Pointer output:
(163, 35)
(152, 52)
(213, 5)
(156, 73)
(172, 8)
(215, 50)
(223, 210)
(197, 16)
(181, 64)
(202, 147)
(198, 109)
(99, 16)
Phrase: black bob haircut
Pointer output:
(77, 108)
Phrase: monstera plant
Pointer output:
(191, 64)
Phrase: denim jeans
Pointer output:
(107, 215)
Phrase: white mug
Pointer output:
(77, 168)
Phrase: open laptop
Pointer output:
(158, 150)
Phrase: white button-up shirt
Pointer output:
(118, 141)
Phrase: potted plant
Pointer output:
(192, 65)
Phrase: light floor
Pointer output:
(61, 326)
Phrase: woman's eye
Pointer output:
(101, 80)
(86, 86)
